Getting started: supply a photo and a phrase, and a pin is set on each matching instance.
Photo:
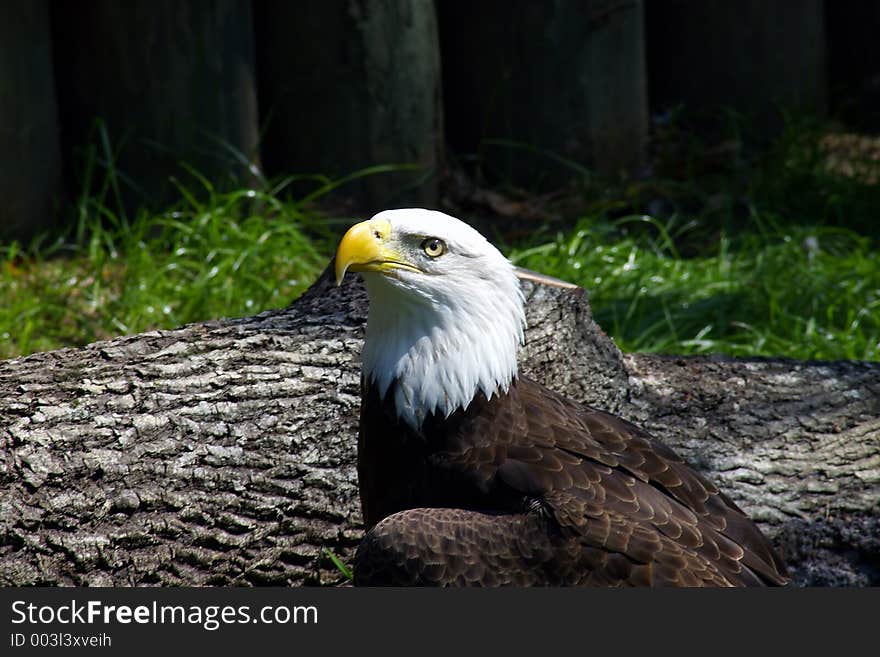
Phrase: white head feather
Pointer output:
(445, 332)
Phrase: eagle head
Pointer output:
(446, 310)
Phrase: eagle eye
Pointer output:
(434, 247)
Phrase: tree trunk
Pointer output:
(30, 156)
(173, 81)
(351, 84)
(531, 85)
(224, 453)
(753, 56)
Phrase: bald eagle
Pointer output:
(470, 474)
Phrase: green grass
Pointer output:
(807, 293)
(759, 252)
(343, 569)
(213, 255)
(768, 253)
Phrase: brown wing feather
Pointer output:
(676, 499)
(458, 547)
(531, 488)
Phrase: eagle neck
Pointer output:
(439, 356)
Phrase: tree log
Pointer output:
(223, 453)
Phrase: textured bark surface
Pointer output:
(223, 453)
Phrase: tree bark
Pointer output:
(224, 453)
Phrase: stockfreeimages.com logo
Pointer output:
(209, 617)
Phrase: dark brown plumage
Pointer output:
(469, 475)
(530, 488)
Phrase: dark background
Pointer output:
(513, 91)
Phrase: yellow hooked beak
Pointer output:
(367, 246)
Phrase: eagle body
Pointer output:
(579, 497)
(470, 474)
